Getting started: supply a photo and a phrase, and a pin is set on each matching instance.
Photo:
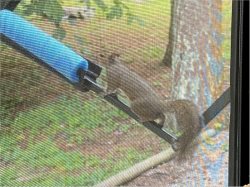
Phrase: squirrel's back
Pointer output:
(131, 83)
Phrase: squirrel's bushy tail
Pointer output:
(188, 141)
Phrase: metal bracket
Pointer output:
(88, 78)
(9, 4)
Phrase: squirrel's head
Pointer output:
(113, 58)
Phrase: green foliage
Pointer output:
(116, 11)
(50, 9)
(53, 11)
(100, 4)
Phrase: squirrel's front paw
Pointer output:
(102, 94)
(115, 92)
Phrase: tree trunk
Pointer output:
(197, 61)
(167, 59)
(199, 68)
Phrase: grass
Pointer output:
(38, 128)
(70, 116)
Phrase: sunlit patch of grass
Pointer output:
(153, 52)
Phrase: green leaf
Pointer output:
(115, 12)
(101, 5)
(54, 11)
(38, 7)
(50, 9)
(110, 15)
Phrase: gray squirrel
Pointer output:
(149, 106)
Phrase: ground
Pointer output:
(207, 168)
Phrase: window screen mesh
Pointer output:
(52, 134)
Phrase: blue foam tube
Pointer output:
(43, 46)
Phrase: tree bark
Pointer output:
(197, 61)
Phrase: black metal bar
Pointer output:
(235, 144)
(151, 125)
(87, 83)
(217, 106)
(113, 99)
(164, 134)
